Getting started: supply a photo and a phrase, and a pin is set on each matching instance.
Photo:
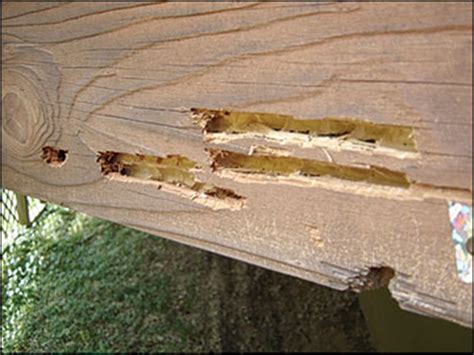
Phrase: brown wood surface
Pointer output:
(123, 77)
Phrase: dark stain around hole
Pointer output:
(54, 156)
(375, 278)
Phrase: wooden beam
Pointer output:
(322, 140)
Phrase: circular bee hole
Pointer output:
(54, 156)
(469, 245)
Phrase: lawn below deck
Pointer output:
(80, 284)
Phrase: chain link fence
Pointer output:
(19, 214)
(27, 224)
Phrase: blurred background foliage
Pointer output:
(74, 283)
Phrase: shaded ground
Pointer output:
(90, 285)
(262, 310)
(394, 330)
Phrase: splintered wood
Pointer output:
(329, 141)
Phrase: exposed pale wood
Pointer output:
(91, 77)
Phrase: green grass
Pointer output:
(81, 284)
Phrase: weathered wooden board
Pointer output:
(123, 77)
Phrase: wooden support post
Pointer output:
(322, 140)
(22, 209)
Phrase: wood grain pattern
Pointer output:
(123, 77)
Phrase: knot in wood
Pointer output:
(29, 106)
